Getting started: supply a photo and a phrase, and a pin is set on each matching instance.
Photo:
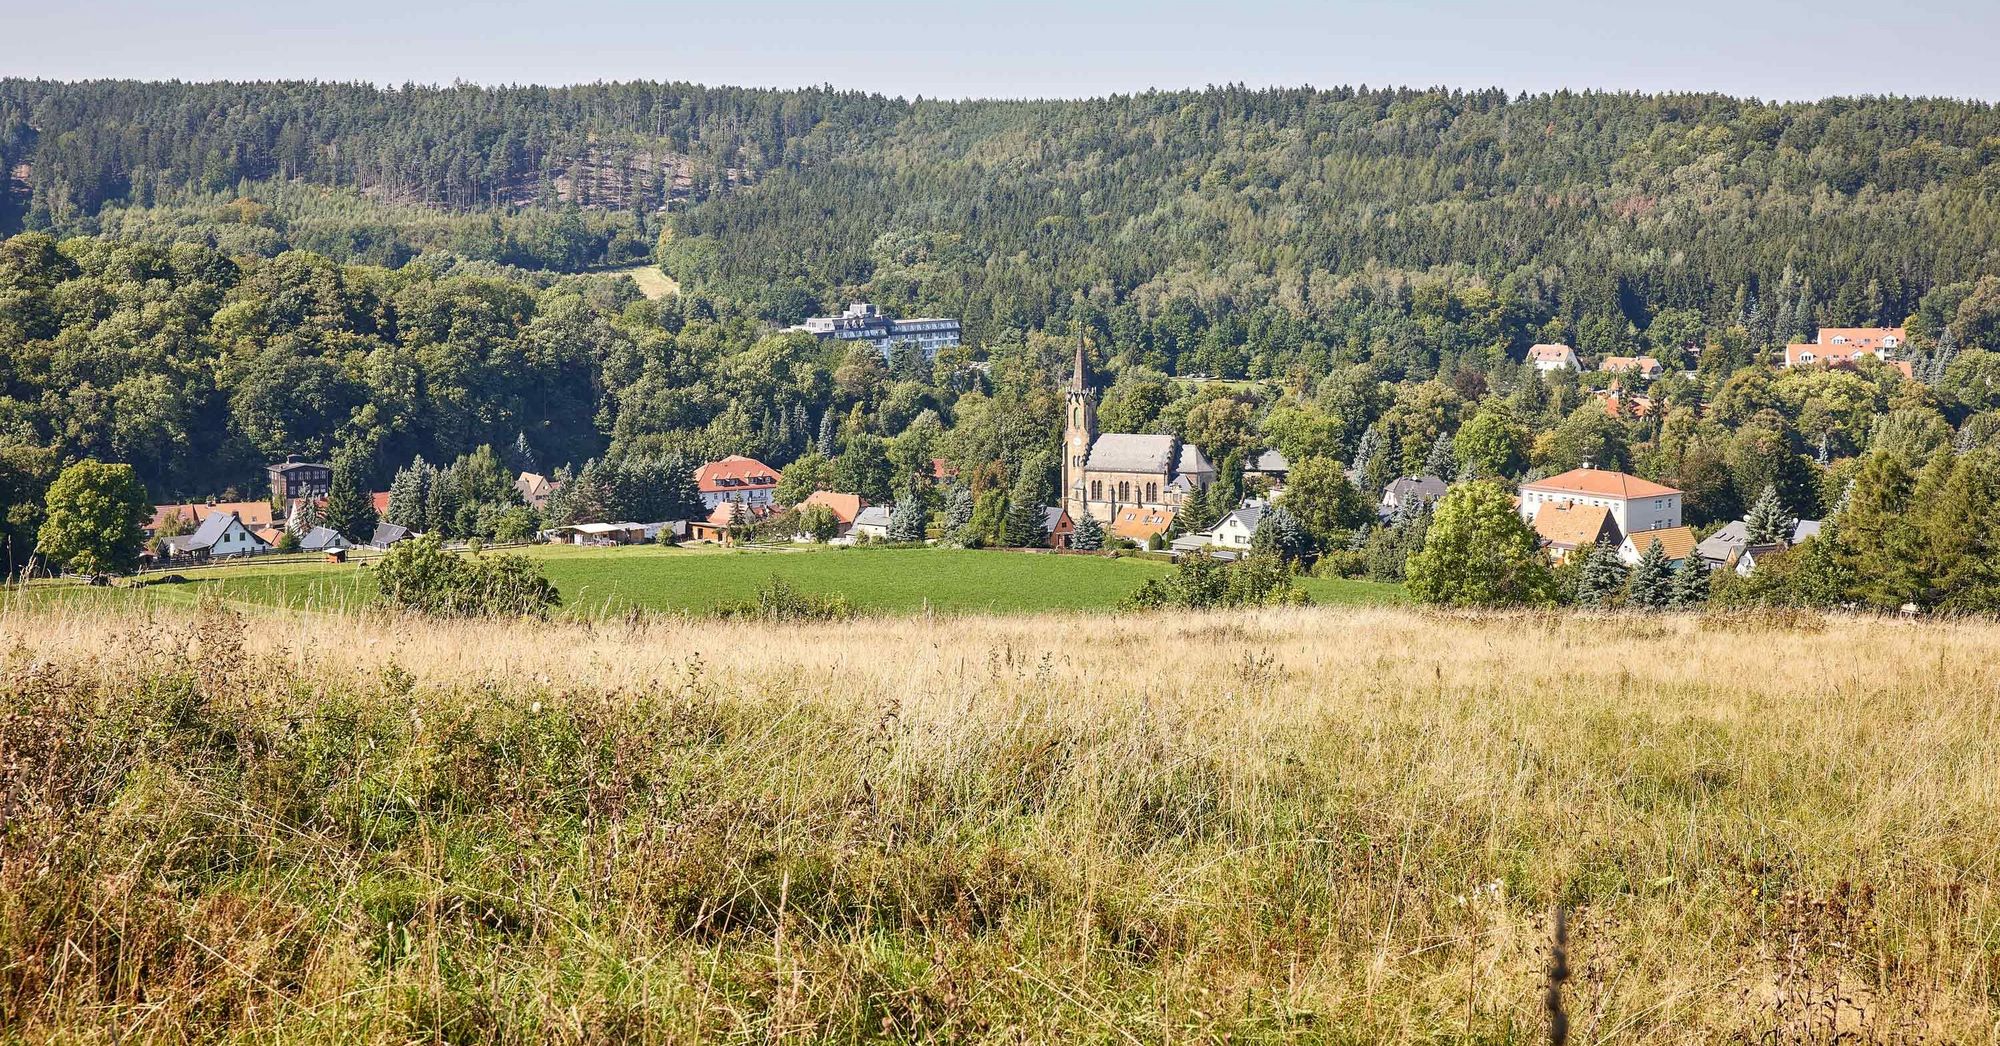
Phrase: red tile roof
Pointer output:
(845, 506)
(380, 499)
(1869, 338)
(254, 514)
(734, 472)
(1602, 483)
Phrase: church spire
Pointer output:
(1076, 376)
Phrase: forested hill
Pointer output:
(1599, 210)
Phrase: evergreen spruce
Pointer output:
(1652, 585)
(1025, 506)
(828, 447)
(1442, 461)
(1088, 533)
(409, 496)
(1601, 576)
(350, 512)
(1767, 522)
(908, 520)
(1691, 583)
(957, 510)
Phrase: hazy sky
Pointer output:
(1034, 48)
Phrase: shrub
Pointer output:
(420, 575)
(778, 600)
(1201, 582)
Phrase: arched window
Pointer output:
(1097, 490)
(1124, 491)
(1152, 492)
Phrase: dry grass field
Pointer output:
(1320, 825)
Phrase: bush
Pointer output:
(1201, 582)
(778, 600)
(420, 575)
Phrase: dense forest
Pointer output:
(206, 277)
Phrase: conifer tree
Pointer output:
(1691, 583)
(1767, 522)
(409, 496)
(828, 448)
(1025, 505)
(1600, 577)
(1087, 535)
(349, 510)
(907, 520)
(1652, 585)
(1442, 461)
(957, 510)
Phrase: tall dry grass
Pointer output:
(1311, 825)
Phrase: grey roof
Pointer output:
(873, 516)
(387, 534)
(1193, 461)
(1050, 517)
(1270, 461)
(1249, 515)
(1132, 452)
(1425, 486)
(1719, 546)
(319, 538)
(288, 466)
(181, 543)
(211, 530)
(1805, 528)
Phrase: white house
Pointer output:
(739, 480)
(1635, 504)
(1677, 542)
(1232, 533)
(1410, 491)
(220, 535)
(1554, 357)
(872, 522)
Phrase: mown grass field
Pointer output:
(1342, 825)
(597, 582)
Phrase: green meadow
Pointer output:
(597, 582)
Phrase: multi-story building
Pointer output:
(1841, 346)
(292, 479)
(1634, 504)
(865, 322)
(737, 480)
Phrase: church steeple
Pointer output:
(1079, 433)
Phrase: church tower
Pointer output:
(1079, 432)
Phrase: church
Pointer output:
(1102, 474)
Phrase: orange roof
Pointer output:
(1617, 404)
(1550, 352)
(734, 472)
(379, 499)
(1600, 483)
(1677, 542)
(1624, 363)
(254, 514)
(845, 506)
(1139, 524)
(1573, 526)
(1869, 338)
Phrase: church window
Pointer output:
(1124, 491)
(1152, 492)
(1097, 490)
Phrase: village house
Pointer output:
(872, 523)
(255, 515)
(1635, 504)
(1677, 542)
(322, 539)
(1729, 546)
(1058, 526)
(1103, 474)
(599, 534)
(845, 507)
(387, 534)
(534, 489)
(737, 479)
(1270, 465)
(1564, 528)
(1644, 366)
(1231, 534)
(1141, 525)
(1554, 357)
(292, 479)
(220, 536)
(1841, 346)
(1410, 491)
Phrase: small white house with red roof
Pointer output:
(737, 480)
(1554, 357)
(1635, 504)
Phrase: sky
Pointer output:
(1034, 48)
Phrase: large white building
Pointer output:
(865, 322)
(1635, 504)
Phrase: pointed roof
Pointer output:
(1076, 375)
(1573, 526)
(1677, 542)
